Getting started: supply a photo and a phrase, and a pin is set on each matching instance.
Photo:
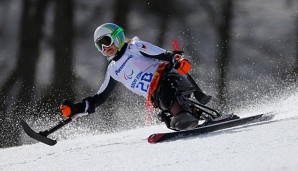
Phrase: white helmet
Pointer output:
(106, 31)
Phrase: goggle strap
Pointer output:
(116, 32)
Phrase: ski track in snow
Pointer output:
(271, 145)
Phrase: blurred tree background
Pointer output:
(243, 52)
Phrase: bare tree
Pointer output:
(164, 10)
(221, 16)
(121, 12)
(296, 70)
(63, 81)
(22, 78)
(3, 16)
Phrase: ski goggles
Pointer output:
(107, 40)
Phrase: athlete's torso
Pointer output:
(133, 69)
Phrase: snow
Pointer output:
(271, 145)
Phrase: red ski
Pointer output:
(160, 137)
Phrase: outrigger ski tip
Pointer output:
(42, 135)
(37, 136)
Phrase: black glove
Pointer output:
(70, 109)
(90, 102)
(181, 64)
(171, 55)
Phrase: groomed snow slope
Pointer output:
(270, 145)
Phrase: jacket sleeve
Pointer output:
(166, 56)
(151, 51)
(101, 96)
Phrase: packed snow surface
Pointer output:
(271, 145)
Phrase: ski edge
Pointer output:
(160, 137)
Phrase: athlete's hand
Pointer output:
(70, 109)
